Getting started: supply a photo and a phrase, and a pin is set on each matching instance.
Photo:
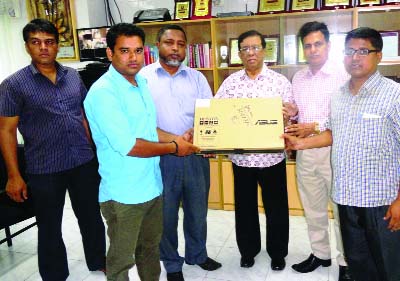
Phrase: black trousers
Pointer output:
(372, 250)
(48, 194)
(275, 199)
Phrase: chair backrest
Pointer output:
(3, 170)
(12, 212)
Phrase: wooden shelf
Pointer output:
(218, 31)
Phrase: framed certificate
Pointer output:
(271, 49)
(289, 49)
(271, 6)
(182, 10)
(201, 9)
(390, 44)
(303, 5)
(234, 59)
(336, 4)
(337, 45)
(362, 3)
(300, 52)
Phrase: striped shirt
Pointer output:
(267, 84)
(312, 92)
(366, 143)
(50, 118)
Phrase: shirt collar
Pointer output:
(121, 80)
(367, 86)
(329, 68)
(61, 70)
(371, 81)
(263, 73)
(182, 68)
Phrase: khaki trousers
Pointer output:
(135, 233)
(314, 179)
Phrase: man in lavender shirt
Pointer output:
(175, 88)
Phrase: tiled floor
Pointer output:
(19, 262)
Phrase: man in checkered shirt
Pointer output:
(364, 131)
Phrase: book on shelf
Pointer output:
(150, 54)
(198, 55)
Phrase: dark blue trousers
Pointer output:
(372, 250)
(48, 194)
(187, 180)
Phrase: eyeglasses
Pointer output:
(38, 42)
(361, 52)
(247, 49)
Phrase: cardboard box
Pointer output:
(239, 125)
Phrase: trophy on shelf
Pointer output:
(223, 50)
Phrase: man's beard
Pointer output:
(171, 62)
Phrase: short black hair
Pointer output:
(169, 27)
(251, 33)
(39, 25)
(123, 29)
(313, 26)
(366, 33)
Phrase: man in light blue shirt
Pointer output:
(122, 120)
(175, 88)
(364, 131)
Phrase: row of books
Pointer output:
(150, 54)
(197, 55)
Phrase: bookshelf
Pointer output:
(219, 31)
(197, 31)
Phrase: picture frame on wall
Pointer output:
(337, 45)
(61, 14)
(289, 49)
(391, 45)
(367, 3)
(390, 2)
(271, 6)
(234, 59)
(300, 52)
(303, 5)
(271, 49)
(182, 10)
(201, 9)
(336, 4)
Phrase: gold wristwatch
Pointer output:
(316, 128)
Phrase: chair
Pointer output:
(12, 212)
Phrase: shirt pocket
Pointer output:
(372, 132)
